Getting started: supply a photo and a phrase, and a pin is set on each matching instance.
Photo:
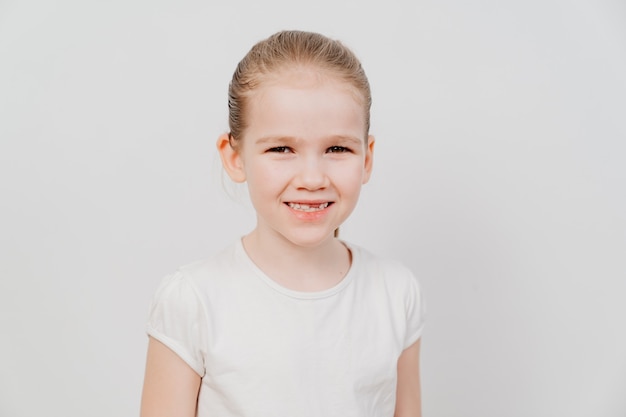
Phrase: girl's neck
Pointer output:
(299, 268)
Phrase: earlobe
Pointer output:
(369, 159)
(231, 159)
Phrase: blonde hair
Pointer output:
(285, 49)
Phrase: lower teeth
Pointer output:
(308, 209)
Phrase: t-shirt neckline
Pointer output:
(241, 254)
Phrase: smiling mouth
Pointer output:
(309, 208)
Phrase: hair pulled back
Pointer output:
(292, 48)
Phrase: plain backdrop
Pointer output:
(500, 179)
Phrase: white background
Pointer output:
(500, 179)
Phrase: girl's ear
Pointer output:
(231, 159)
(369, 159)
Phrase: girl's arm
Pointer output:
(408, 392)
(170, 385)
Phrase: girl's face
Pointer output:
(305, 155)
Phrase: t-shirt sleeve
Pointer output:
(415, 312)
(178, 320)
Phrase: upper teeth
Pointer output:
(308, 207)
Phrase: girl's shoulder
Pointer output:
(368, 262)
(390, 282)
(222, 261)
(383, 272)
(194, 276)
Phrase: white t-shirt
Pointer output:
(264, 350)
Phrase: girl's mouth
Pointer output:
(309, 208)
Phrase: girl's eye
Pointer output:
(338, 149)
(279, 149)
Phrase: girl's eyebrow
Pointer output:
(349, 139)
(274, 139)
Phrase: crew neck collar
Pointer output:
(304, 295)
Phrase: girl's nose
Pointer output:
(312, 174)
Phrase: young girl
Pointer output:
(290, 321)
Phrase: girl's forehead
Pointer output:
(301, 75)
(309, 77)
(309, 114)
